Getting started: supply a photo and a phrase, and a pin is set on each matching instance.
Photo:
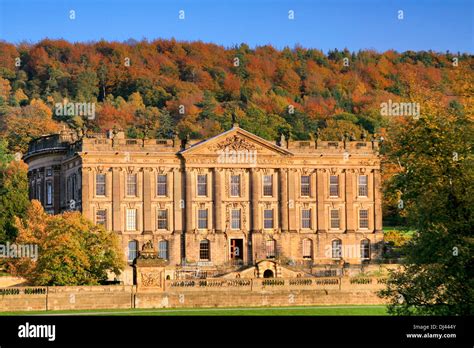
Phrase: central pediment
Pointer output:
(235, 140)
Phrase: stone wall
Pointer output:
(198, 293)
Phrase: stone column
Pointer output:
(350, 218)
(217, 179)
(85, 199)
(283, 186)
(255, 196)
(320, 189)
(116, 198)
(147, 194)
(189, 199)
(292, 199)
(377, 201)
(178, 199)
(56, 188)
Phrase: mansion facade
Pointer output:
(232, 200)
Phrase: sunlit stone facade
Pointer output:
(231, 200)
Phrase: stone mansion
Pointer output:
(229, 201)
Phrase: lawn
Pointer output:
(263, 311)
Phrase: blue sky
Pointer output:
(355, 24)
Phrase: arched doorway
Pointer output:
(268, 273)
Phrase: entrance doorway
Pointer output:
(268, 273)
(237, 251)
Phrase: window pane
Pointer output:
(131, 185)
(270, 248)
(49, 192)
(268, 218)
(202, 218)
(161, 185)
(334, 186)
(162, 219)
(235, 185)
(131, 219)
(335, 218)
(101, 217)
(363, 185)
(100, 184)
(336, 249)
(163, 249)
(268, 185)
(307, 248)
(305, 185)
(365, 249)
(202, 185)
(235, 219)
(364, 218)
(132, 250)
(204, 253)
(306, 218)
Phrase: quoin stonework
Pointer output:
(295, 207)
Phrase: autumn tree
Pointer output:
(71, 249)
(435, 182)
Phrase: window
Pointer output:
(100, 184)
(365, 249)
(363, 218)
(270, 249)
(202, 185)
(162, 219)
(336, 249)
(49, 172)
(268, 218)
(307, 249)
(131, 184)
(132, 250)
(305, 186)
(363, 187)
(131, 220)
(235, 185)
(101, 217)
(38, 191)
(306, 218)
(49, 192)
(163, 249)
(202, 218)
(335, 222)
(161, 185)
(74, 186)
(204, 250)
(235, 225)
(268, 185)
(334, 186)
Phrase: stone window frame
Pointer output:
(307, 250)
(336, 244)
(128, 183)
(366, 218)
(235, 185)
(105, 217)
(331, 218)
(127, 216)
(164, 249)
(204, 250)
(360, 186)
(265, 185)
(232, 218)
(308, 219)
(136, 243)
(199, 218)
(270, 248)
(201, 184)
(104, 184)
(160, 219)
(161, 184)
(334, 185)
(306, 185)
(365, 247)
(49, 195)
(267, 219)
